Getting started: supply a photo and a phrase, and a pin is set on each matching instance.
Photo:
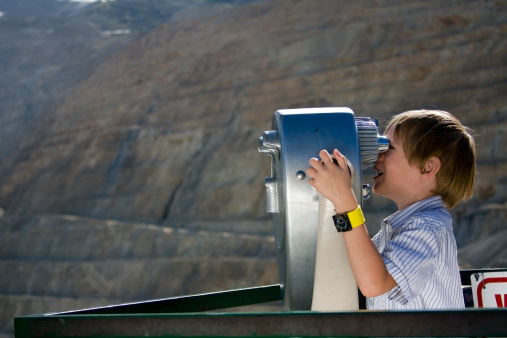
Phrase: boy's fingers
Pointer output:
(315, 163)
(326, 158)
(337, 154)
(341, 160)
(311, 172)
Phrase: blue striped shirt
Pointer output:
(419, 250)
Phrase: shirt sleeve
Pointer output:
(410, 256)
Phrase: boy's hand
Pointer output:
(332, 180)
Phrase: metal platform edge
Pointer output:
(441, 323)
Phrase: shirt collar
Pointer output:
(399, 218)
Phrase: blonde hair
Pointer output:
(428, 133)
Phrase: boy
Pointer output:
(429, 168)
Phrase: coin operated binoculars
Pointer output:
(313, 267)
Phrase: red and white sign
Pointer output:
(489, 289)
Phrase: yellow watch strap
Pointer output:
(356, 217)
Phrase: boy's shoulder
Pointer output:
(429, 213)
(430, 218)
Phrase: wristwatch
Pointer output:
(349, 220)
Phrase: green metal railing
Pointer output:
(184, 317)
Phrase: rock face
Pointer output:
(164, 131)
(55, 263)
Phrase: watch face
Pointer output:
(341, 223)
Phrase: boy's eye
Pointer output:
(388, 150)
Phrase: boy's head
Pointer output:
(428, 133)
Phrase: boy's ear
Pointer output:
(431, 167)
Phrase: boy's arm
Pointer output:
(367, 264)
(333, 182)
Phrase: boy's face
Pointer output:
(396, 179)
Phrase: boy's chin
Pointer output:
(377, 190)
